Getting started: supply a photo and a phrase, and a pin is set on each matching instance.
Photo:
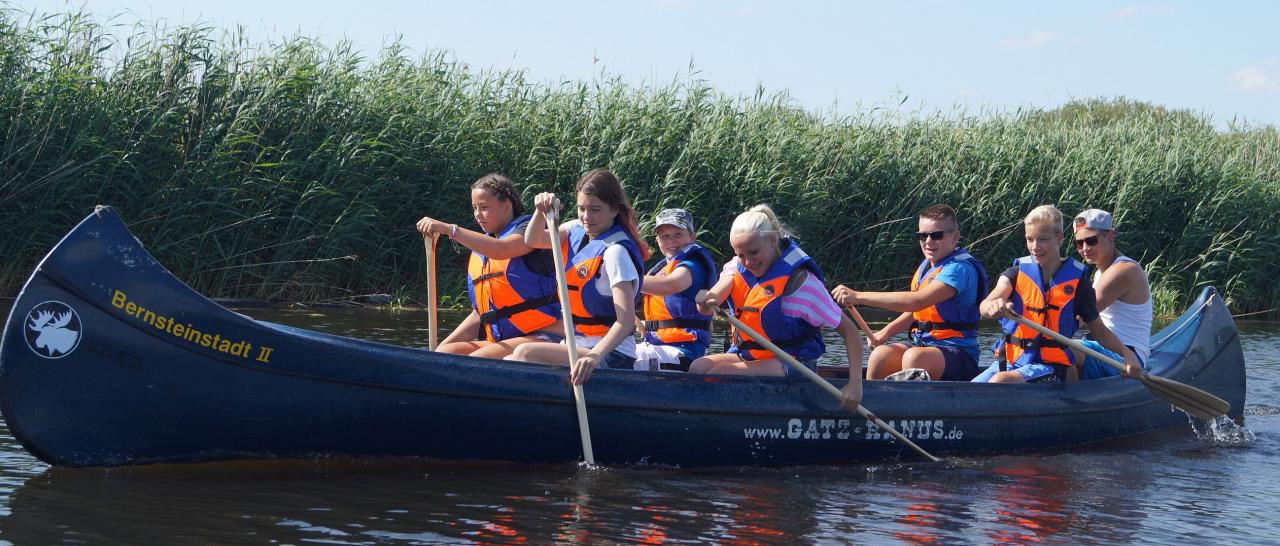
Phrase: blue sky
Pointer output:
(1220, 59)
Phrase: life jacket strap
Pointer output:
(493, 315)
(485, 277)
(926, 326)
(804, 336)
(1029, 344)
(692, 324)
(1044, 309)
(595, 320)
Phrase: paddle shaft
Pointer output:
(429, 243)
(566, 315)
(817, 379)
(862, 323)
(1187, 398)
(1068, 341)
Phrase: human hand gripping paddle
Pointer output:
(837, 295)
(566, 314)
(1194, 401)
(826, 385)
(429, 241)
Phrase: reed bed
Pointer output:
(294, 171)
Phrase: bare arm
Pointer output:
(997, 301)
(511, 246)
(665, 285)
(466, 330)
(899, 325)
(852, 392)
(932, 294)
(709, 300)
(624, 326)
(1119, 281)
(535, 234)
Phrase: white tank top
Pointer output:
(1130, 321)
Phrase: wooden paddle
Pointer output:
(826, 385)
(429, 243)
(857, 317)
(1194, 401)
(566, 314)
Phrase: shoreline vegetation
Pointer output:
(294, 171)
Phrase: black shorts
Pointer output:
(958, 364)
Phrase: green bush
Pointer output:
(295, 171)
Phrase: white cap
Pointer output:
(1094, 219)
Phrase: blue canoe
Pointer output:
(108, 359)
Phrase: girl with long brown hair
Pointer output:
(606, 257)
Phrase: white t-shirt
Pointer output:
(615, 268)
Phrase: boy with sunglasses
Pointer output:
(940, 311)
(1121, 288)
(1046, 288)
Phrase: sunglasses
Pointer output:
(1091, 241)
(922, 236)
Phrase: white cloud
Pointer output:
(1253, 79)
(1034, 40)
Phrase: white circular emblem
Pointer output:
(53, 329)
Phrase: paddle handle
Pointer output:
(1068, 341)
(570, 343)
(429, 244)
(817, 379)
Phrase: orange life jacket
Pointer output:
(674, 319)
(757, 302)
(1052, 305)
(514, 297)
(949, 318)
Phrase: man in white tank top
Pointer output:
(1123, 292)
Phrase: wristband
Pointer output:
(453, 233)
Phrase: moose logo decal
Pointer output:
(53, 329)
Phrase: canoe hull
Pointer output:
(159, 373)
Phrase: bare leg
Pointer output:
(1007, 377)
(504, 347)
(885, 360)
(730, 364)
(542, 352)
(929, 359)
(704, 364)
(461, 347)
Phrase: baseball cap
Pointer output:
(674, 217)
(1094, 219)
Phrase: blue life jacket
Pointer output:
(593, 312)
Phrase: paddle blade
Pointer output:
(1196, 402)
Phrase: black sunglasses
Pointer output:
(1091, 241)
(935, 235)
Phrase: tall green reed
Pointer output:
(295, 170)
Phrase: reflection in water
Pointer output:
(1032, 502)
(1013, 500)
